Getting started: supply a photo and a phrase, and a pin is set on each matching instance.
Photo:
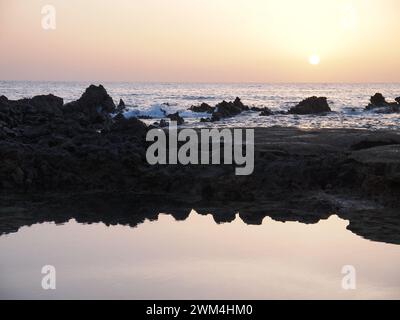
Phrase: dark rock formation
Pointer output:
(163, 123)
(177, 118)
(312, 105)
(380, 105)
(133, 125)
(266, 112)
(94, 105)
(39, 109)
(378, 100)
(129, 209)
(46, 103)
(79, 147)
(203, 108)
(121, 106)
(221, 110)
(45, 145)
(228, 109)
(95, 97)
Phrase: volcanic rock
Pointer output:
(121, 106)
(312, 105)
(176, 117)
(228, 109)
(203, 108)
(379, 104)
(95, 104)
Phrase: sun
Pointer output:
(314, 60)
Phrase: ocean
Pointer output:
(348, 101)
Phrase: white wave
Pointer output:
(159, 111)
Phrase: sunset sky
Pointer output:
(202, 40)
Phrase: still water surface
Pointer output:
(197, 259)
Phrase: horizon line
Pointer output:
(203, 82)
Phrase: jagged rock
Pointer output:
(3, 100)
(228, 109)
(122, 124)
(48, 146)
(95, 104)
(312, 105)
(176, 117)
(38, 109)
(121, 106)
(380, 105)
(97, 97)
(397, 100)
(203, 108)
(378, 100)
(47, 103)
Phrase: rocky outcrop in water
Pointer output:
(176, 118)
(379, 104)
(312, 105)
(228, 109)
(222, 110)
(121, 106)
(203, 108)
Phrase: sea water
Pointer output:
(348, 101)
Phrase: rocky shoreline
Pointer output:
(51, 150)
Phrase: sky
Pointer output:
(200, 40)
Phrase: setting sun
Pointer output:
(269, 44)
(314, 60)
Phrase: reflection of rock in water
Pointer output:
(366, 219)
(47, 146)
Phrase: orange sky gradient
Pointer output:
(202, 40)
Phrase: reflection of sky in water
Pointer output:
(197, 258)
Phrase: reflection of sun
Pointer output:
(314, 59)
